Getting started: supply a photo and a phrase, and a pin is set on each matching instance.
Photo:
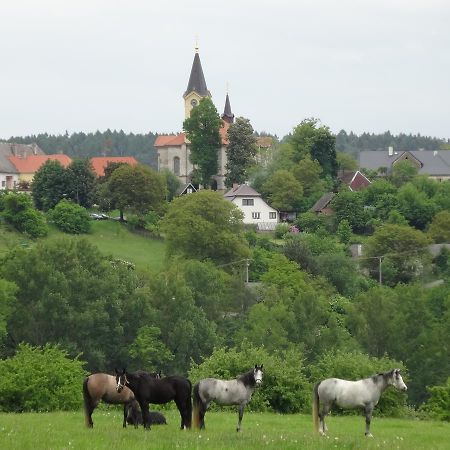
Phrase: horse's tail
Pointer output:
(315, 407)
(197, 404)
(87, 401)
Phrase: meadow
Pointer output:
(66, 430)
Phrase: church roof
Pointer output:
(227, 115)
(197, 81)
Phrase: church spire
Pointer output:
(197, 81)
(227, 115)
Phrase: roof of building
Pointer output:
(32, 163)
(227, 115)
(185, 187)
(433, 162)
(323, 202)
(8, 149)
(99, 163)
(355, 180)
(197, 81)
(241, 190)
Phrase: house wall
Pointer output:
(259, 206)
(8, 180)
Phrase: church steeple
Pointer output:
(196, 88)
(227, 115)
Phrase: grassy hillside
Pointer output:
(66, 430)
(111, 237)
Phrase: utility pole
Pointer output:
(380, 279)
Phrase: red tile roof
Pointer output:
(100, 162)
(32, 163)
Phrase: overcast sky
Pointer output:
(358, 65)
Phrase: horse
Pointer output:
(352, 394)
(101, 386)
(225, 392)
(150, 390)
(134, 415)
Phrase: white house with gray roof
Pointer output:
(256, 210)
(435, 164)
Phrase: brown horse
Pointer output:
(102, 387)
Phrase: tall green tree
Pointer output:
(204, 225)
(49, 185)
(80, 179)
(240, 151)
(202, 130)
(283, 190)
(136, 188)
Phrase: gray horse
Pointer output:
(225, 392)
(352, 394)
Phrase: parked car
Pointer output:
(95, 216)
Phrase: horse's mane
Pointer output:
(381, 374)
(247, 378)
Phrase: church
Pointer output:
(173, 150)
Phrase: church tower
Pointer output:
(227, 115)
(196, 88)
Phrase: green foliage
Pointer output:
(70, 217)
(172, 184)
(438, 405)
(204, 226)
(356, 365)
(310, 222)
(349, 206)
(40, 379)
(7, 305)
(80, 182)
(19, 212)
(241, 150)
(345, 161)
(403, 172)
(202, 130)
(344, 231)
(285, 388)
(283, 191)
(49, 185)
(439, 229)
(137, 188)
(281, 229)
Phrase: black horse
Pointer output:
(150, 390)
(134, 415)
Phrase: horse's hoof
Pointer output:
(369, 435)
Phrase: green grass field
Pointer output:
(111, 237)
(259, 430)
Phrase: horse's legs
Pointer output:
(368, 410)
(322, 414)
(89, 410)
(145, 414)
(202, 412)
(241, 414)
(183, 409)
(125, 414)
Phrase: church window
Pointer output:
(176, 165)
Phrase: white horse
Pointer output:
(225, 392)
(352, 394)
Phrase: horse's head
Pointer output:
(396, 380)
(258, 374)
(121, 379)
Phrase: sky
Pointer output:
(357, 65)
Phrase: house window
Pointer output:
(3, 183)
(272, 215)
(176, 165)
(256, 215)
(247, 202)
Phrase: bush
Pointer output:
(18, 211)
(438, 405)
(285, 388)
(355, 366)
(70, 217)
(281, 229)
(40, 379)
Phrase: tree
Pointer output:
(205, 226)
(403, 172)
(440, 227)
(136, 188)
(240, 151)
(172, 184)
(345, 161)
(283, 190)
(202, 130)
(349, 206)
(308, 138)
(49, 185)
(344, 231)
(80, 179)
(308, 172)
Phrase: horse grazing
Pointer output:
(134, 415)
(225, 392)
(147, 389)
(352, 394)
(102, 387)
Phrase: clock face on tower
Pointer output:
(194, 102)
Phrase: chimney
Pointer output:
(235, 186)
(391, 151)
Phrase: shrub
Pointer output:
(40, 379)
(70, 217)
(438, 405)
(285, 388)
(281, 229)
